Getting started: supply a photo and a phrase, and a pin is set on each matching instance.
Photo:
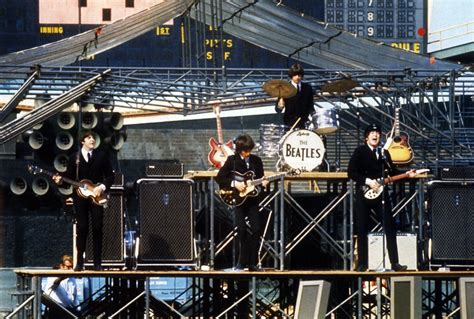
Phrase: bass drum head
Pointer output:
(302, 150)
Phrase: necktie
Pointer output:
(247, 161)
(375, 153)
(89, 155)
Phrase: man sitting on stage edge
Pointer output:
(368, 163)
(242, 162)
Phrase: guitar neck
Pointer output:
(259, 181)
(65, 179)
(397, 121)
(395, 178)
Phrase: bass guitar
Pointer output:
(370, 193)
(400, 149)
(232, 196)
(219, 151)
(84, 188)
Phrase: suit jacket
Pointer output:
(298, 106)
(225, 176)
(364, 164)
(98, 170)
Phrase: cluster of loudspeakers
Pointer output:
(53, 141)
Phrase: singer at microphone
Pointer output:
(369, 165)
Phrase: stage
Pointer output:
(258, 294)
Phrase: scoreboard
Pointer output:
(399, 23)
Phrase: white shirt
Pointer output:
(65, 293)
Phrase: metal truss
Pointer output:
(435, 107)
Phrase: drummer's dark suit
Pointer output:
(98, 171)
(364, 164)
(248, 243)
(298, 106)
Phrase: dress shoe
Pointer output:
(398, 267)
(98, 268)
(79, 267)
(254, 268)
(361, 268)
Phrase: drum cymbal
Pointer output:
(339, 86)
(279, 88)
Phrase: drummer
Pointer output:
(299, 105)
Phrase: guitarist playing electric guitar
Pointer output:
(242, 162)
(368, 164)
(92, 165)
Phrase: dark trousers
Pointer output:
(362, 215)
(248, 240)
(84, 208)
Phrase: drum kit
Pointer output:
(300, 149)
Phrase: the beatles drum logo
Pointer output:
(303, 150)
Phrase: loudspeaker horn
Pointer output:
(114, 120)
(40, 186)
(89, 120)
(97, 139)
(18, 185)
(36, 140)
(65, 190)
(60, 162)
(116, 140)
(66, 120)
(64, 140)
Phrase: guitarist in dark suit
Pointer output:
(299, 105)
(95, 166)
(242, 162)
(368, 163)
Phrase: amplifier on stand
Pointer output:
(457, 173)
(164, 169)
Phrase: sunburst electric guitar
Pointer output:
(219, 151)
(399, 148)
(84, 188)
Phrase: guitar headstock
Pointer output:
(33, 169)
(293, 172)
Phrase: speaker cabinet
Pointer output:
(466, 295)
(312, 300)
(166, 222)
(113, 230)
(405, 298)
(407, 250)
(452, 216)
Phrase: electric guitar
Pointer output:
(219, 151)
(370, 193)
(84, 188)
(233, 197)
(399, 148)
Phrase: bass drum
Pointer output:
(324, 121)
(302, 150)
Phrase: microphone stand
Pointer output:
(382, 184)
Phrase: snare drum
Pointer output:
(324, 121)
(303, 150)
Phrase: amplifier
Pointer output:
(164, 169)
(407, 250)
(457, 173)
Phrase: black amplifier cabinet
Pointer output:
(166, 222)
(164, 169)
(451, 213)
